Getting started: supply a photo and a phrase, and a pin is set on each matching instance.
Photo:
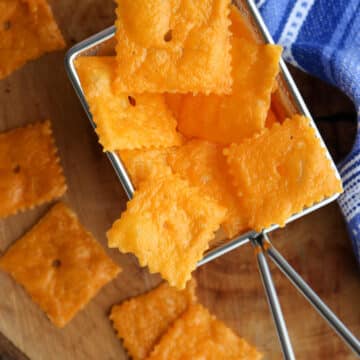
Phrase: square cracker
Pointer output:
(30, 169)
(27, 30)
(168, 225)
(281, 171)
(124, 120)
(231, 118)
(199, 335)
(203, 164)
(142, 320)
(173, 45)
(60, 264)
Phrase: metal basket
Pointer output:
(103, 43)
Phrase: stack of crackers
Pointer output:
(187, 104)
(166, 323)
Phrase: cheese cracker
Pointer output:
(30, 169)
(281, 171)
(173, 45)
(27, 30)
(199, 335)
(124, 120)
(59, 264)
(168, 225)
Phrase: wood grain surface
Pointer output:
(316, 245)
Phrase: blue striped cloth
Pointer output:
(322, 37)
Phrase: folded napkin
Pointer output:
(322, 37)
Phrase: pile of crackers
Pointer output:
(166, 323)
(188, 104)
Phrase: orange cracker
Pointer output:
(59, 264)
(168, 225)
(203, 165)
(281, 171)
(146, 164)
(30, 169)
(124, 121)
(173, 45)
(27, 30)
(142, 320)
(199, 335)
(231, 118)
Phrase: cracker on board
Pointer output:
(142, 320)
(204, 166)
(124, 121)
(30, 169)
(231, 118)
(281, 171)
(168, 225)
(27, 30)
(199, 335)
(173, 45)
(146, 164)
(60, 264)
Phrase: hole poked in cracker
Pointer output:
(132, 101)
(56, 263)
(168, 36)
(7, 25)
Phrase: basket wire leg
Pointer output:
(273, 301)
(311, 296)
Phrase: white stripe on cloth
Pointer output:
(349, 200)
(340, 27)
(351, 173)
(350, 163)
(293, 26)
(352, 186)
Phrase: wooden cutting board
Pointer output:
(316, 245)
